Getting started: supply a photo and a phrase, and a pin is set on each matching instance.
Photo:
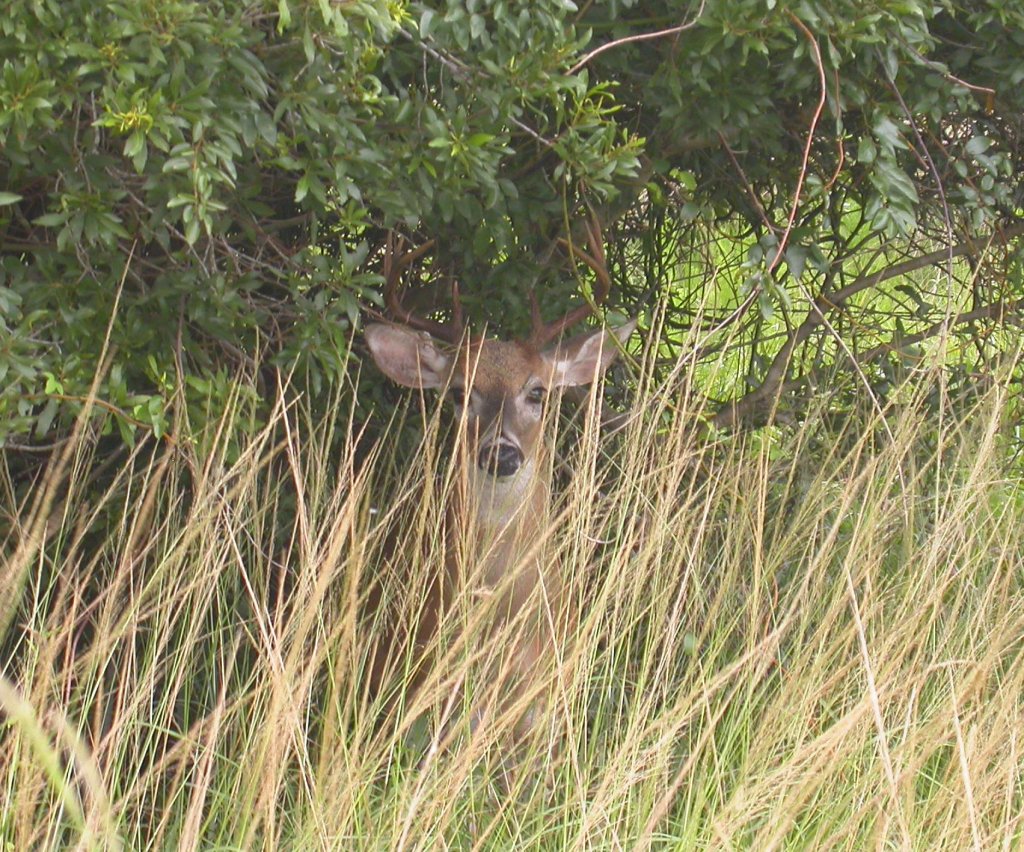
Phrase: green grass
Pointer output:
(781, 642)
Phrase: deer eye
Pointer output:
(458, 396)
(537, 396)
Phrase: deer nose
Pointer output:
(500, 458)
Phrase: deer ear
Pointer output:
(582, 359)
(411, 358)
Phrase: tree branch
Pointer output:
(999, 311)
(774, 381)
(639, 37)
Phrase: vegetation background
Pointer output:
(805, 568)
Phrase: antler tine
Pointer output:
(393, 269)
(546, 332)
(457, 324)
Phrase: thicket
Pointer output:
(804, 634)
(190, 192)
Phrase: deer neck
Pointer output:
(502, 519)
(495, 504)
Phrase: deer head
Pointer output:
(500, 386)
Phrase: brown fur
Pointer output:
(497, 520)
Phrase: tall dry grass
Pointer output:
(780, 641)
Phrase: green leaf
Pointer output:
(177, 164)
(192, 230)
(45, 418)
(53, 385)
(867, 151)
(887, 131)
(977, 145)
(796, 260)
(426, 19)
(7, 198)
(308, 48)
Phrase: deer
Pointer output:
(496, 520)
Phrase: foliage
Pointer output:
(195, 185)
(194, 189)
(814, 170)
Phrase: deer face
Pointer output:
(500, 386)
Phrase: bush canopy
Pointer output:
(823, 190)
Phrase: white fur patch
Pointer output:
(497, 500)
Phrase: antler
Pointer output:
(544, 333)
(393, 269)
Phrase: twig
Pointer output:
(597, 51)
(818, 110)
